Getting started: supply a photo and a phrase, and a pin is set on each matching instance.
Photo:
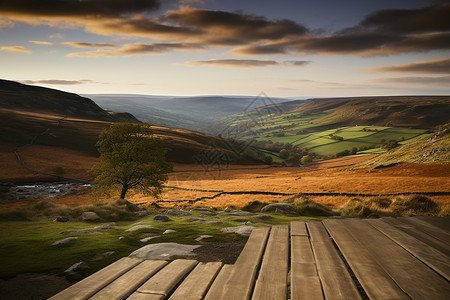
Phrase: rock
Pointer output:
(244, 230)
(103, 255)
(280, 208)
(208, 214)
(61, 219)
(140, 223)
(236, 213)
(163, 251)
(139, 227)
(121, 237)
(106, 226)
(238, 219)
(169, 231)
(65, 241)
(161, 218)
(77, 267)
(144, 240)
(89, 216)
(82, 231)
(213, 222)
(262, 217)
(177, 213)
(195, 220)
(141, 213)
(205, 236)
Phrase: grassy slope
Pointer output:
(434, 148)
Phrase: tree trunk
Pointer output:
(124, 191)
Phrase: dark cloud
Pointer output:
(297, 63)
(234, 28)
(437, 66)
(430, 19)
(98, 8)
(57, 82)
(137, 49)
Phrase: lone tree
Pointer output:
(130, 157)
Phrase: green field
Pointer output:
(353, 136)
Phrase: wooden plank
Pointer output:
(126, 284)
(195, 286)
(141, 296)
(430, 256)
(218, 286)
(336, 280)
(426, 227)
(375, 281)
(411, 275)
(419, 234)
(241, 280)
(298, 228)
(441, 222)
(92, 284)
(305, 282)
(166, 279)
(273, 276)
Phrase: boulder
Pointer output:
(89, 216)
(169, 231)
(163, 251)
(280, 208)
(61, 219)
(262, 217)
(161, 218)
(141, 213)
(139, 227)
(177, 213)
(101, 256)
(205, 236)
(195, 220)
(77, 267)
(106, 226)
(241, 230)
(65, 241)
(146, 239)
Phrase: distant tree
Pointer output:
(354, 150)
(305, 159)
(130, 157)
(284, 153)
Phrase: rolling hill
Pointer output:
(194, 113)
(329, 126)
(35, 115)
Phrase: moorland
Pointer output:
(366, 157)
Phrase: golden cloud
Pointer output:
(437, 66)
(15, 49)
(42, 43)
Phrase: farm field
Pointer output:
(322, 143)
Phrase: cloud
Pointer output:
(89, 45)
(15, 49)
(414, 81)
(56, 36)
(57, 82)
(383, 32)
(91, 8)
(233, 63)
(245, 63)
(437, 66)
(42, 43)
(137, 49)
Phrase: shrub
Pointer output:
(379, 202)
(307, 207)
(59, 171)
(254, 206)
(415, 204)
(356, 207)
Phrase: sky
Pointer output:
(284, 48)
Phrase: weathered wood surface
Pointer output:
(388, 258)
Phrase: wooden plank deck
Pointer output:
(387, 258)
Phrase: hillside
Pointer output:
(194, 113)
(434, 148)
(339, 125)
(32, 115)
(17, 96)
